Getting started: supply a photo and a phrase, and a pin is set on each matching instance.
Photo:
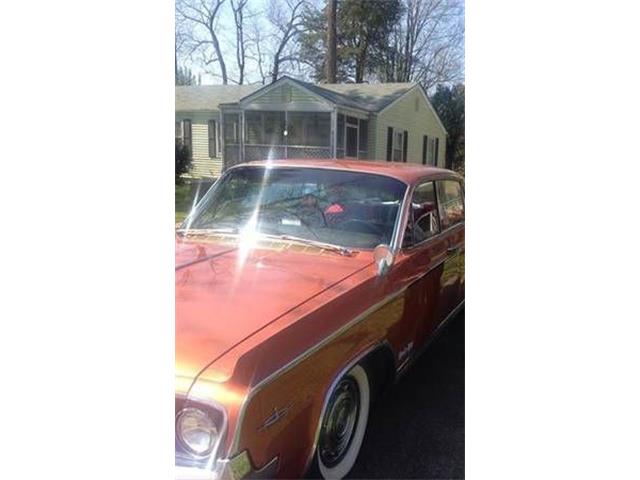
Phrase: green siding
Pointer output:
(418, 122)
(285, 94)
(202, 165)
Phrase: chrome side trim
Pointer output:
(404, 367)
(304, 356)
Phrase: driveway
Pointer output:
(417, 428)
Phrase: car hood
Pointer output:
(224, 294)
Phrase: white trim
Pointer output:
(433, 110)
(426, 99)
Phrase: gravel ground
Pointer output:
(417, 429)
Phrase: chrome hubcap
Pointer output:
(339, 422)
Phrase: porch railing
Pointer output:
(263, 152)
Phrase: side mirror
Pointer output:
(383, 259)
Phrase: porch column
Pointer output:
(241, 137)
(334, 133)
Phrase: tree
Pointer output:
(184, 76)
(427, 45)
(448, 101)
(332, 7)
(286, 18)
(202, 16)
(365, 26)
(363, 29)
(238, 9)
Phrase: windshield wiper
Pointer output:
(206, 231)
(347, 252)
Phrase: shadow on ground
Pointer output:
(417, 429)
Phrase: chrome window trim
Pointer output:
(396, 230)
(441, 232)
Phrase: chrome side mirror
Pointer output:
(383, 259)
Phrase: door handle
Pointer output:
(453, 249)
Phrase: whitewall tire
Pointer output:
(343, 424)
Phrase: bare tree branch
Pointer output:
(203, 14)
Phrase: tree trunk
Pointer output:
(223, 66)
(361, 63)
(331, 64)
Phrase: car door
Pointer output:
(451, 209)
(419, 266)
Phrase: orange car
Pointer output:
(303, 288)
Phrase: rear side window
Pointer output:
(450, 202)
(424, 222)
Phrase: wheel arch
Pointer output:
(379, 363)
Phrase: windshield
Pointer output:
(350, 209)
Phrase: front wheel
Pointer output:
(343, 424)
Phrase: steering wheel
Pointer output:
(360, 226)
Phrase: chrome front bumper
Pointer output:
(237, 468)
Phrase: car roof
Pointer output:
(406, 172)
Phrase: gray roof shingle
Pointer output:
(208, 97)
(372, 97)
(369, 96)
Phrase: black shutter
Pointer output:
(425, 142)
(405, 142)
(389, 143)
(186, 134)
(212, 138)
(435, 162)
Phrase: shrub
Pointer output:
(183, 160)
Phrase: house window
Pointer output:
(432, 151)
(429, 150)
(214, 139)
(397, 144)
(183, 133)
(398, 140)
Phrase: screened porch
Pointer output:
(260, 134)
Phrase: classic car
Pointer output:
(304, 289)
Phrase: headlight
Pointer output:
(196, 431)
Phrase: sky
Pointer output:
(226, 33)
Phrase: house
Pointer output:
(228, 124)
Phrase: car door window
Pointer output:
(423, 221)
(450, 202)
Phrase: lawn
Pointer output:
(185, 193)
(183, 200)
